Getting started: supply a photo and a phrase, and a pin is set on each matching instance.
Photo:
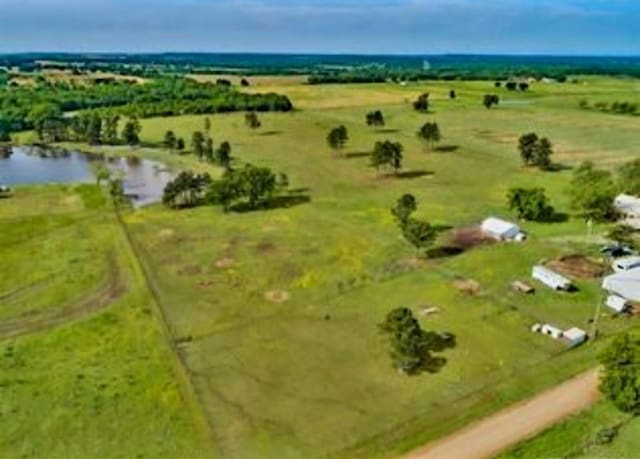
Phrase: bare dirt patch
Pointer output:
(225, 263)
(468, 286)
(467, 238)
(578, 266)
(277, 296)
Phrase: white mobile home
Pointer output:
(550, 278)
(501, 229)
(574, 336)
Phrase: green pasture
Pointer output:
(101, 383)
(307, 374)
(275, 312)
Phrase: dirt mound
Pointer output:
(225, 263)
(468, 286)
(277, 296)
(467, 238)
(578, 266)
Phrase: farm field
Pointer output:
(277, 310)
(83, 361)
(274, 313)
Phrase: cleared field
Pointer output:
(278, 309)
(92, 376)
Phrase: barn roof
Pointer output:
(625, 284)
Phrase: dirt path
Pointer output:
(93, 302)
(494, 434)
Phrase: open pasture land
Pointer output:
(85, 370)
(276, 310)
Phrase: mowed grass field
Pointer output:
(85, 370)
(276, 311)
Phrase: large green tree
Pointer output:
(629, 177)
(338, 138)
(197, 144)
(375, 119)
(620, 377)
(430, 134)
(530, 203)
(420, 234)
(131, 131)
(535, 151)
(421, 104)
(592, 192)
(412, 348)
(388, 154)
(405, 206)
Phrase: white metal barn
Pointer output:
(550, 278)
(574, 336)
(625, 284)
(501, 229)
(626, 264)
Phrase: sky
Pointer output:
(592, 27)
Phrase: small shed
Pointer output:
(626, 264)
(521, 287)
(551, 278)
(617, 303)
(501, 229)
(574, 336)
(552, 331)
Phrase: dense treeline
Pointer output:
(20, 107)
(619, 108)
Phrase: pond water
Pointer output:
(144, 180)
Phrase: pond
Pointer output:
(144, 180)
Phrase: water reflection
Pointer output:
(144, 180)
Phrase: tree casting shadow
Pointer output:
(357, 154)
(446, 148)
(276, 202)
(411, 174)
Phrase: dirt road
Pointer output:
(494, 434)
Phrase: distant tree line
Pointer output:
(21, 107)
(619, 108)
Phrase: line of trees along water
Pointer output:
(24, 108)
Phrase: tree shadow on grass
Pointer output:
(558, 167)
(357, 154)
(438, 342)
(556, 217)
(276, 202)
(387, 131)
(411, 174)
(446, 251)
(446, 148)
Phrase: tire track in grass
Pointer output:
(95, 301)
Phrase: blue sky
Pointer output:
(374, 26)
